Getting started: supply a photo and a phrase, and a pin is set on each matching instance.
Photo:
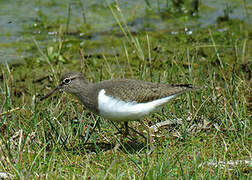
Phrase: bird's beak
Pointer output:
(51, 92)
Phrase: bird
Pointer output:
(119, 100)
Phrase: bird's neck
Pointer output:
(85, 96)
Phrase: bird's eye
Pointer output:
(66, 81)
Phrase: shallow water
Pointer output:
(22, 22)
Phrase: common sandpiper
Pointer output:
(120, 100)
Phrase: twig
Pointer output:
(10, 111)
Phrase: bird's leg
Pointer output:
(126, 133)
(119, 131)
(135, 131)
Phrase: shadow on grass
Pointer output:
(126, 146)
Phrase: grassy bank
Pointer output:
(210, 138)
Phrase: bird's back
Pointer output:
(140, 91)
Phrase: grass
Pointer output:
(45, 139)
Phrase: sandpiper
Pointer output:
(120, 100)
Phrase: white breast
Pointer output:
(118, 110)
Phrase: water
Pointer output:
(23, 21)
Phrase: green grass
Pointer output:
(45, 139)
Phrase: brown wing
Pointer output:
(140, 91)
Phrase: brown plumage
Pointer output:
(140, 91)
(120, 99)
(127, 90)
